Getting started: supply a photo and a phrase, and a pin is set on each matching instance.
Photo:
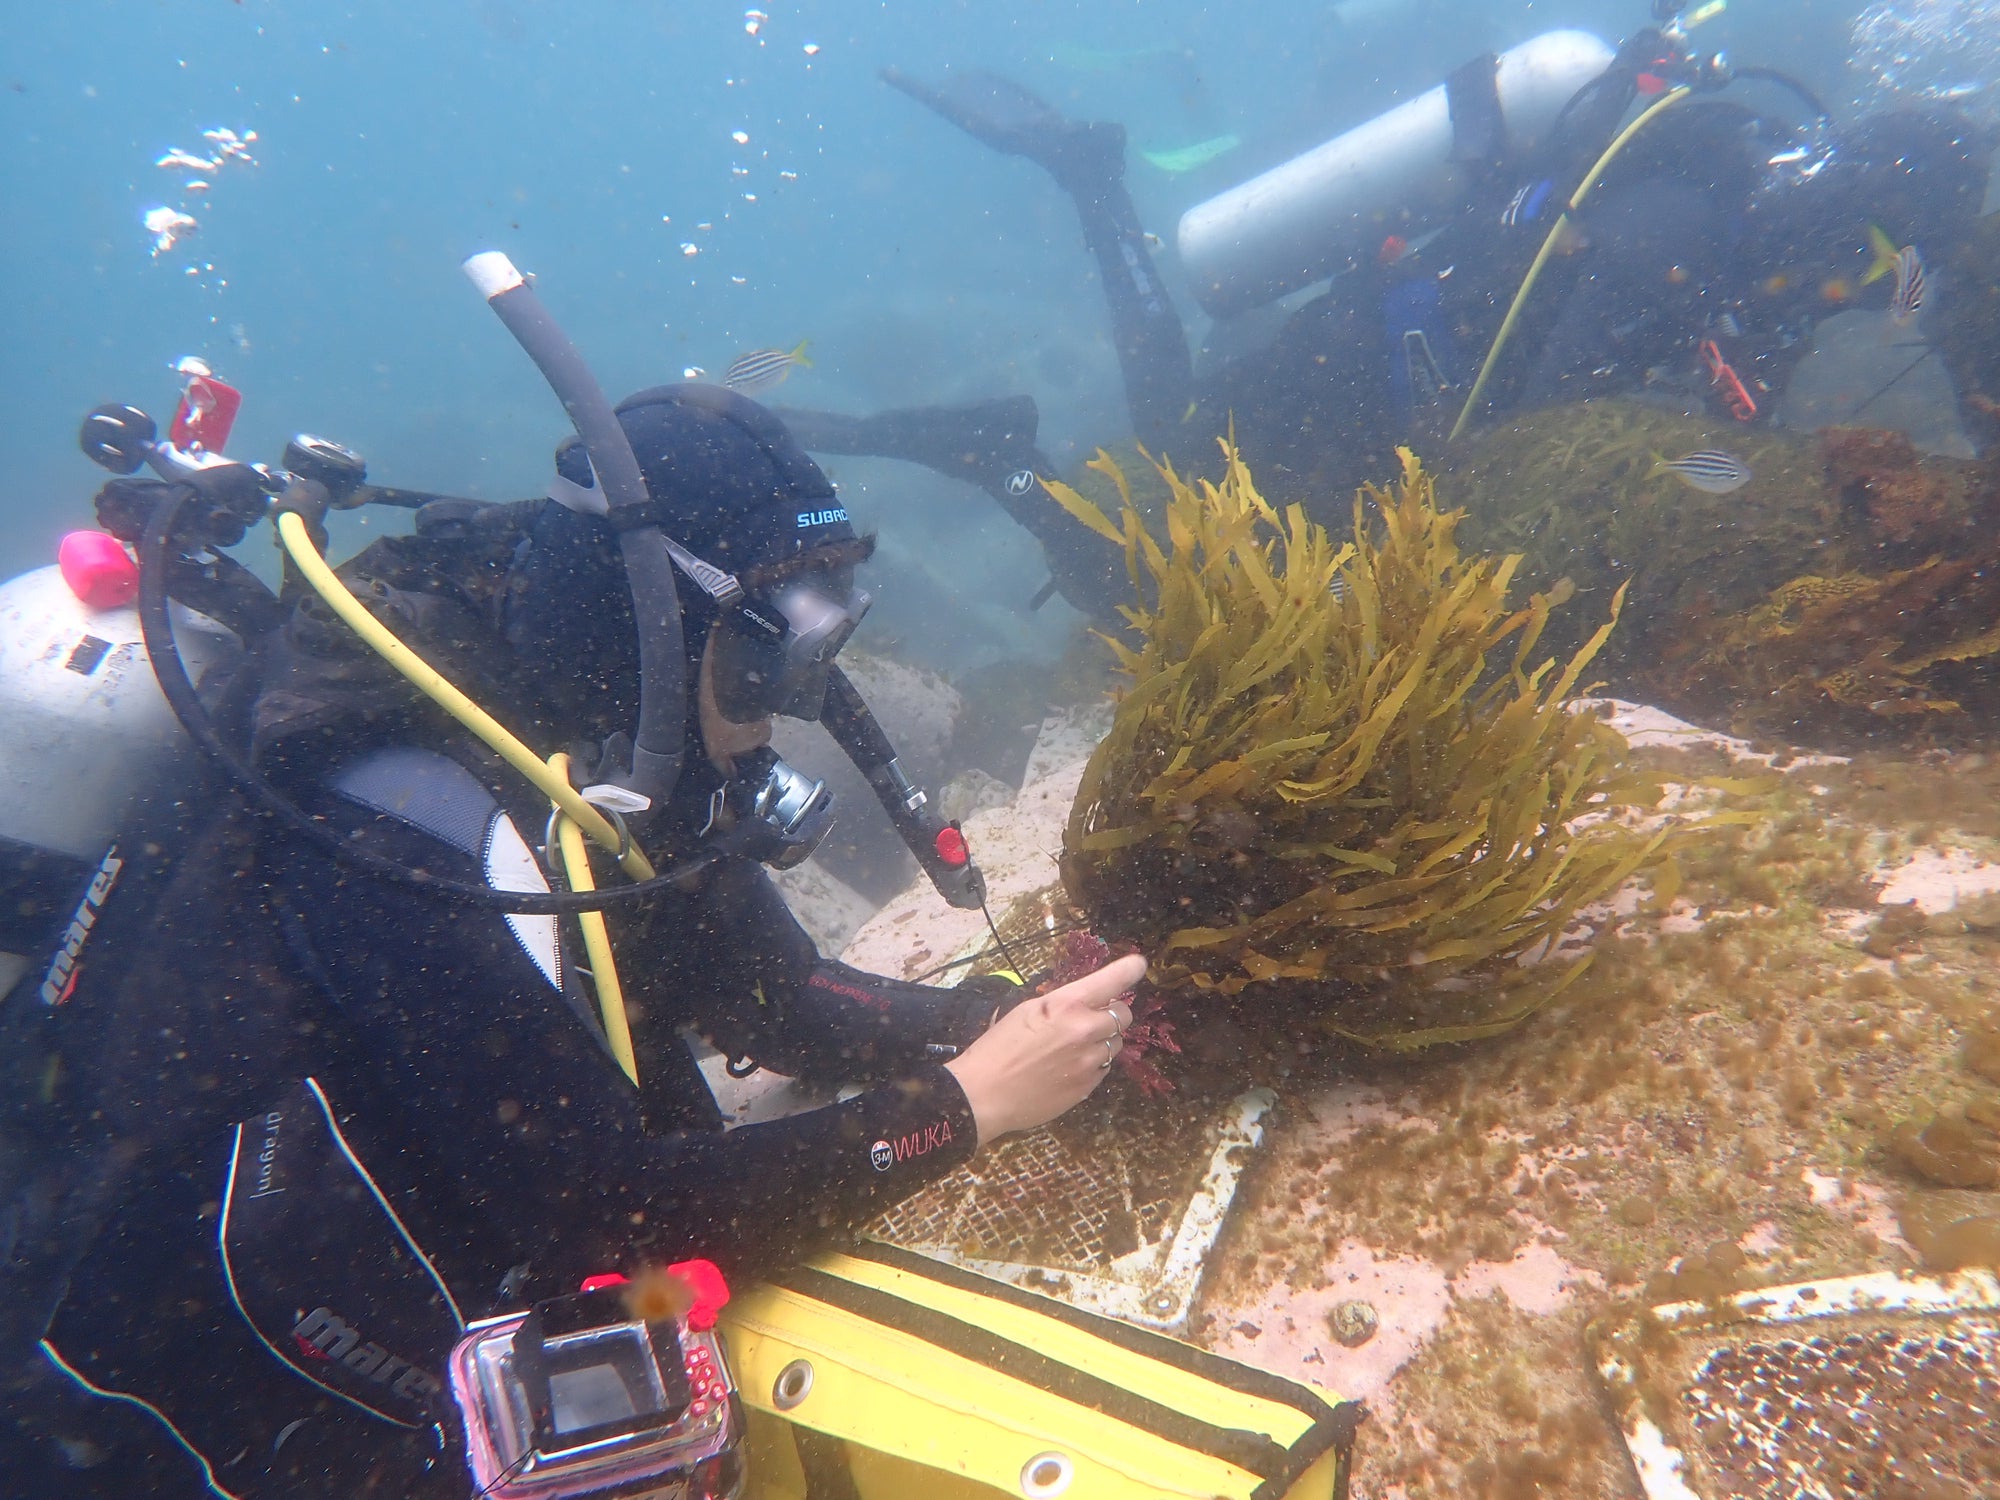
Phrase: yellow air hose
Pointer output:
(430, 682)
(575, 816)
(596, 936)
(1665, 101)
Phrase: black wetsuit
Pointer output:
(261, 1053)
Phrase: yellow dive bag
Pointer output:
(883, 1375)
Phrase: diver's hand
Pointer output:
(1047, 1053)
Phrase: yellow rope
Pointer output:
(432, 683)
(1666, 101)
(596, 936)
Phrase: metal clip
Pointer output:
(611, 815)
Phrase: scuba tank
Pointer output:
(88, 735)
(1307, 217)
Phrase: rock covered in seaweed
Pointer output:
(1848, 597)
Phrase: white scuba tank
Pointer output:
(1307, 217)
(84, 728)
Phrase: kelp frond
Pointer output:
(1339, 776)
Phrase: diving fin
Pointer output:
(1010, 119)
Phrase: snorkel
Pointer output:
(658, 744)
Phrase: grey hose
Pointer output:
(659, 744)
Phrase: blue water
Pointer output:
(590, 141)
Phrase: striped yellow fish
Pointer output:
(761, 369)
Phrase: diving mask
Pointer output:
(772, 652)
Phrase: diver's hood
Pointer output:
(728, 481)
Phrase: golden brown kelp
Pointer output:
(1339, 779)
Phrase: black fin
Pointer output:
(1011, 119)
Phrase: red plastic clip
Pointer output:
(1742, 405)
(599, 1282)
(711, 1292)
(951, 847)
(206, 413)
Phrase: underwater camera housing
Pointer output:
(577, 1398)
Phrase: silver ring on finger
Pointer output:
(1110, 1051)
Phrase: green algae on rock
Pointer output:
(1338, 779)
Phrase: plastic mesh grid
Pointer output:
(1901, 1409)
(1115, 1174)
(1040, 1199)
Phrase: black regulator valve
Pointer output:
(781, 815)
(339, 468)
(117, 437)
(232, 499)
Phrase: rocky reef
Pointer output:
(1848, 596)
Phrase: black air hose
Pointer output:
(156, 625)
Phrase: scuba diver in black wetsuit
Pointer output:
(1711, 240)
(318, 1074)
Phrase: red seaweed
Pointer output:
(1078, 953)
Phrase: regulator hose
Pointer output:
(1658, 106)
(426, 679)
(1785, 80)
(156, 627)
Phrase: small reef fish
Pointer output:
(1907, 300)
(1710, 470)
(761, 369)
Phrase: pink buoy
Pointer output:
(98, 569)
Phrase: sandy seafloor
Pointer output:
(1715, 1098)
